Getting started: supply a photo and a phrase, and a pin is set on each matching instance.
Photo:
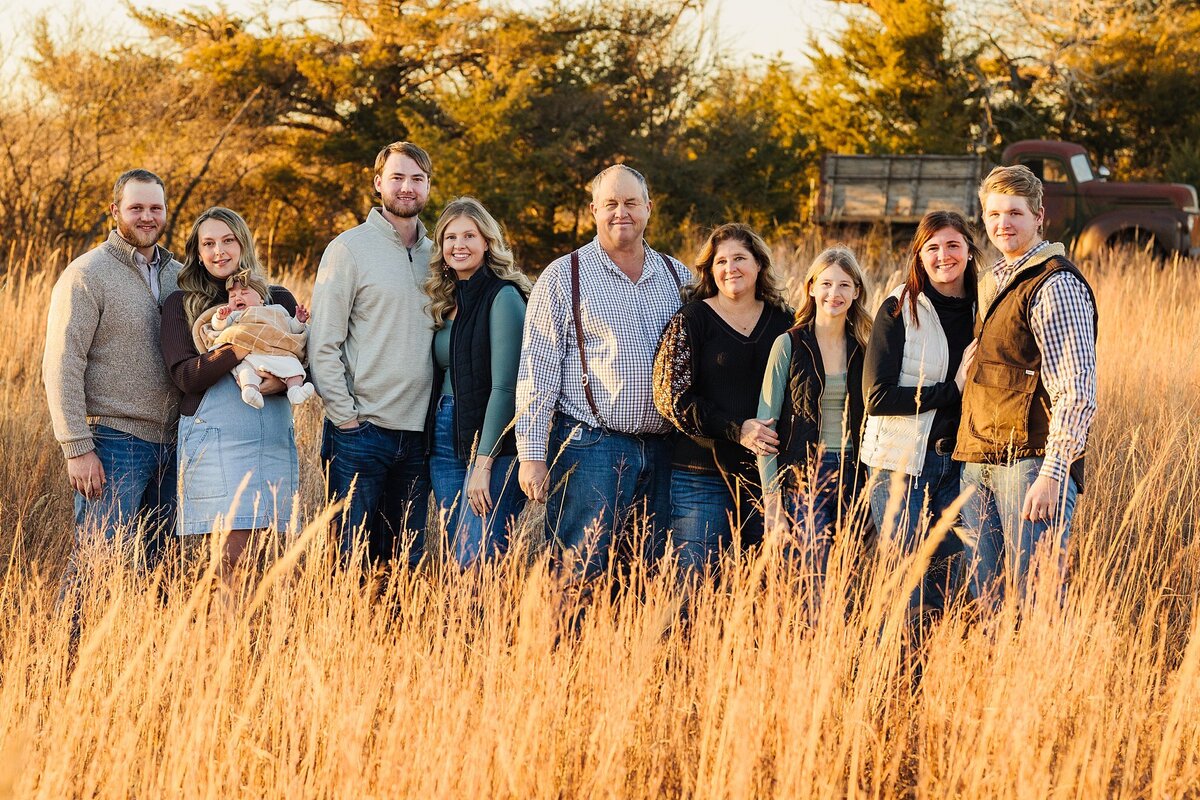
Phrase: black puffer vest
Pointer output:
(471, 363)
(799, 423)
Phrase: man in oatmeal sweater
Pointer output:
(113, 406)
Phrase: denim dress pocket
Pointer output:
(200, 466)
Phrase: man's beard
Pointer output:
(138, 238)
(403, 208)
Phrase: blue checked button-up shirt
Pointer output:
(622, 323)
(1060, 317)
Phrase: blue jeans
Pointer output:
(391, 488)
(926, 496)
(702, 508)
(140, 485)
(995, 538)
(471, 536)
(599, 483)
(814, 515)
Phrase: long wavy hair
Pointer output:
(917, 279)
(765, 288)
(857, 318)
(498, 257)
(201, 291)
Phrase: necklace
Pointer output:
(742, 322)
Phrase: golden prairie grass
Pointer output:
(436, 685)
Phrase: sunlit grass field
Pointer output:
(316, 683)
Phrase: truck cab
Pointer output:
(1086, 212)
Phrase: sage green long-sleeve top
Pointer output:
(505, 323)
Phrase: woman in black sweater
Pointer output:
(912, 382)
(707, 376)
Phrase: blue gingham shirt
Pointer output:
(622, 323)
(1061, 317)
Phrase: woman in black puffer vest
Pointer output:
(813, 388)
(478, 309)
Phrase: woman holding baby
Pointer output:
(233, 345)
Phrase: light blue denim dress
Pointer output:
(223, 442)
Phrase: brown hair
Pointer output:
(139, 176)
(705, 286)
(1018, 181)
(404, 148)
(201, 291)
(917, 279)
(857, 318)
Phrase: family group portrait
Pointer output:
(432, 399)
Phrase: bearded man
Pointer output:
(112, 404)
(369, 352)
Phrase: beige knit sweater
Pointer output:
(102, 362)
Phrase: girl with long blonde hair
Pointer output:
(477, 301)
(813, 389)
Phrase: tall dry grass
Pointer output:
(434, 685)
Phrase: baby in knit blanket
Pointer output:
(275, 339)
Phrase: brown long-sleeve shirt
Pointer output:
(194, 372)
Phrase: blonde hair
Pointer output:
(201, 291)
(857, 318)
(1018, 181)
(498, 257)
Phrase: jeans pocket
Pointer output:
(111, 434)
(358, 430)
(202, 469)
(580, 437)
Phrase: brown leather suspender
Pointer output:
(587, 384)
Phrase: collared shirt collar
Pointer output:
(651, 265)
(1005, 271)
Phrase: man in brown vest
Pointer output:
(1030, 394)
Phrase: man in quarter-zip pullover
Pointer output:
(112, 404)
(369, 352)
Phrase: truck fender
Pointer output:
(1102, 229)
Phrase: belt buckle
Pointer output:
(944, 446)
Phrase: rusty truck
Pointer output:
(1084, 209)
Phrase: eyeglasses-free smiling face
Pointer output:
(141, 217)
(463, 247)
(833, 290)
(944, 257)
(220, 250)
(621, 210)
(1011, 224)
(735, 272)
(403, 186)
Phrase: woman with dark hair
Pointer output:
(477, 301)
(221, 438)
(813, 386)
(913, 378)
(707, 374)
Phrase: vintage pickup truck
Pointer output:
(1083, 209)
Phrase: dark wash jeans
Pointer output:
(600, 482)
(472, 538)
(702, 509)
(390, 476)
(139, 490)
(925, 497)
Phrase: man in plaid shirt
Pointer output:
(591, 443)
(1030, 394)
